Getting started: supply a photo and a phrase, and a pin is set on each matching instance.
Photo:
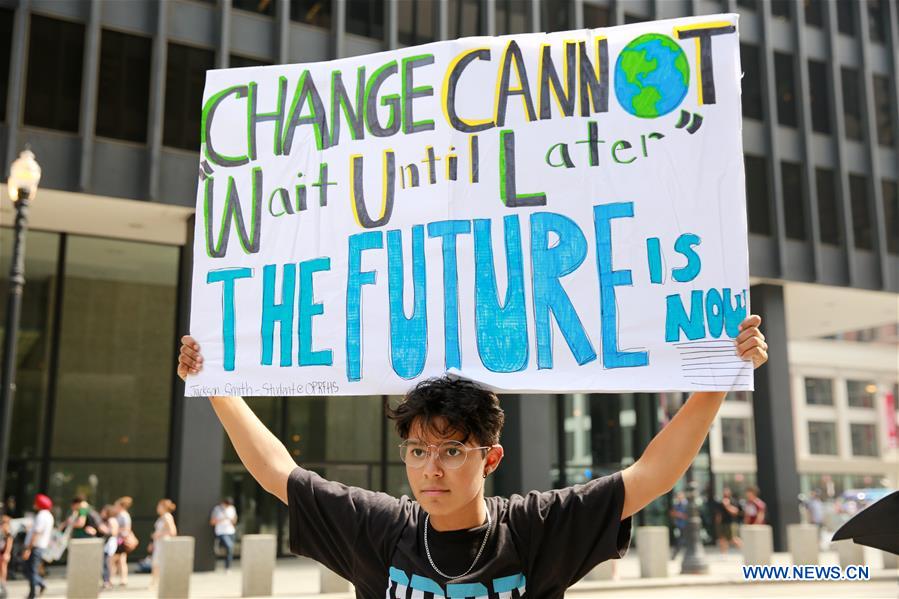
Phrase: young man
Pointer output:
(452, 541)
(224, 520)
(36, 543)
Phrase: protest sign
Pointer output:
(540, 212)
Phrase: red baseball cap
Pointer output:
(42, 502)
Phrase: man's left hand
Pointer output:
(751, 342)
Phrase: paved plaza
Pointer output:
(299, 578)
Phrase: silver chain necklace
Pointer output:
(476, 558)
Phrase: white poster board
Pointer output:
(540, 213)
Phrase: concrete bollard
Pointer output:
(849, 553)
(332, 582)
(758, 543)
(84, 569)
(802, 540)
(176, 563)
(604, 571)
(652, 549)
(257, 564)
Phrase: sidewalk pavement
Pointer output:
(299, 578)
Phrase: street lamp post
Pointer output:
(694, 554)
(24, 175)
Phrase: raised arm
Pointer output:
(670, 453)
(263, 455)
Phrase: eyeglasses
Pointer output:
(450, 454)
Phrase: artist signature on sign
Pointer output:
(267, 389)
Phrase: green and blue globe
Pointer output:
(651, 76)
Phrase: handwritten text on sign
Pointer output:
(542, 212)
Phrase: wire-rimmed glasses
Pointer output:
(450, 454)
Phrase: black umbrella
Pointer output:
(875, 526)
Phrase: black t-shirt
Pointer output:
(539, 546)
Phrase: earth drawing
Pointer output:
(652, 76)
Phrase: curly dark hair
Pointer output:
(445, 405)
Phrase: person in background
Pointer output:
(5, 551)
(77, 519)
(726, 517)
(224, 519)
(36, 542)
(680, 517)
(163, 528)
(120, 559)
(110, 543)
(753, 507)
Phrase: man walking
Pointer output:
(224, 519)
(36, 542)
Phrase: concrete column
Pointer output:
(758, 544)
(772, 409)
(332, 582)
(526, 438)
(84, 569)
(850, 554)
(197, 440)
(603, 571)
(257, 564)
(803, 542)
(652, 549)
(890, 560)
(176, 563)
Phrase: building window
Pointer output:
(751, 82)
(758, 200)
(822, 438)
(6, 20)
(737, 435)
(739, 396)
(846, 17)
(877, 21)
(780, 9)
(35, 339)
(793, 200)
(813, 14)
(184, 80)
(750, 4)
(511, 17)
(819, 97)
(861, 212)
(262, 7)
(554, 15)
(631, 18)
(311, 12)
(465, 18)
(818, 392)
(53, 85)
(416, 21)
(891, 217)
(852, 104)
(864, 439)
(365, 17)
(237, 61)
(861, 394)
(786, 94)
(595, 16)
(124, 94)
(883, 109)
(829, 221)
(118, 311)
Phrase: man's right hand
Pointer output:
(189, 359)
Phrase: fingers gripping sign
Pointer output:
(189, 359)
(750, 342)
